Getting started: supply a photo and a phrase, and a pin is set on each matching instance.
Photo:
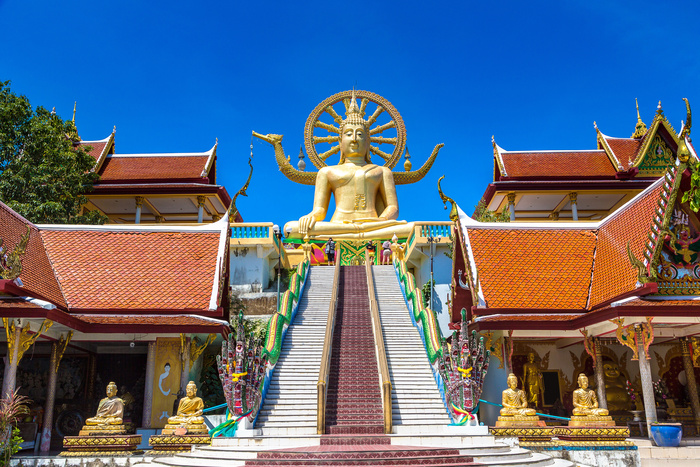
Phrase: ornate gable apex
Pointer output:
(107, 147)
(658, 147)
(603, 144)
(498, 159)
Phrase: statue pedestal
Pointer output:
(100, 445)
(518, 421)
(600, 436)
(167, 444)
(591, 421)
(185, 429)
(102, 430)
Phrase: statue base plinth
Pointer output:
(531, 434)
(167, 444)
(591, 421)
(520, 421)
(100, 446)
(185, 429)
(102, 430)
(615, 435)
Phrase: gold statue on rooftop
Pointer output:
(365, 193)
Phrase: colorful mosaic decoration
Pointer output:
(657, 158)
(281, 319)
(98, 446)
(425, 317)
(463, 370)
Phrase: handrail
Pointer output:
(322, 384)
(384, 376)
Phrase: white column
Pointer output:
(647, 384)
(200, 206)
(139, 203)
(511, 206)
(573, 197)
(148, 387)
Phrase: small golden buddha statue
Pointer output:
(111, 409)
(189, 413)
(532, 377)
(365, 194)
(515, 411)
(586, 411)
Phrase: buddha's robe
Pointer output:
(109, 412)
(586, 403)
(189, 411)
(515, 403)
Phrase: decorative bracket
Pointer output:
(11, 262)
(589, 345)
(495, 347)
(26, 339)
(196, 351)
(62, 345)
(629, 335)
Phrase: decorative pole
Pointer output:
(12, 359)
(692, 384)
(139, 203)
(573, 197)
(599, 374)
(278, 234)
(511, 206)
(57, 350)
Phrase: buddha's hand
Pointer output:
(306, 223)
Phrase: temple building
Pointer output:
(614, 295)
(175, 188)
(580, 185)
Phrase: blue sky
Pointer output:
(174, 76)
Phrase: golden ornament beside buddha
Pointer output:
(515, 411)
(586, 411)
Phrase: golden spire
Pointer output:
(659, 110)
(407, 164)
(75, 105)
(641, 128)
(683, 152)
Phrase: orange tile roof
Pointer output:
(14, 303)
(533, 268)
(160, 167)
(573, 164)
(530, 317)
(134, 269)
(614, 273)
(37, 275)
(625, 149)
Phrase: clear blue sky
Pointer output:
(173, 76)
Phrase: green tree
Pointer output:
(482, 214)
(44, 173)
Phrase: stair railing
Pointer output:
(322, 384)
(384, 376)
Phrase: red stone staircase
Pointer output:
(354, 399)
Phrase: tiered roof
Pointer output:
(146, 276)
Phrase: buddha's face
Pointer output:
(531, 357)
(583, 381)
(512, 381)
(354, 140)
(111, 390)
(611, 371)
(191, 390)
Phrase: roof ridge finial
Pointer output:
(640, 129)
(683, 153)
(659, 110)
(75, 106)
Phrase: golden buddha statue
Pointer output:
(366, 204)
(189, 413)
(615, 391)
(515, 406)
(532, 378)
(110, 410)
(586, 411)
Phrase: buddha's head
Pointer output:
(191, 389)
(583, 381)
(111, 389)
(531, 357)
(512, 381)
(354, 133)
(611, 370)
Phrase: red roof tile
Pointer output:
(614, 274)
(572, 164)
(529, 268)
(134, 269)
(37, 275)
(98, 147)
(625, 149)
(159, 167)
(14, 303)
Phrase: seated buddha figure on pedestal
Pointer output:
(111, 409)
(515, 411)
(586, 411)
(189, 413)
